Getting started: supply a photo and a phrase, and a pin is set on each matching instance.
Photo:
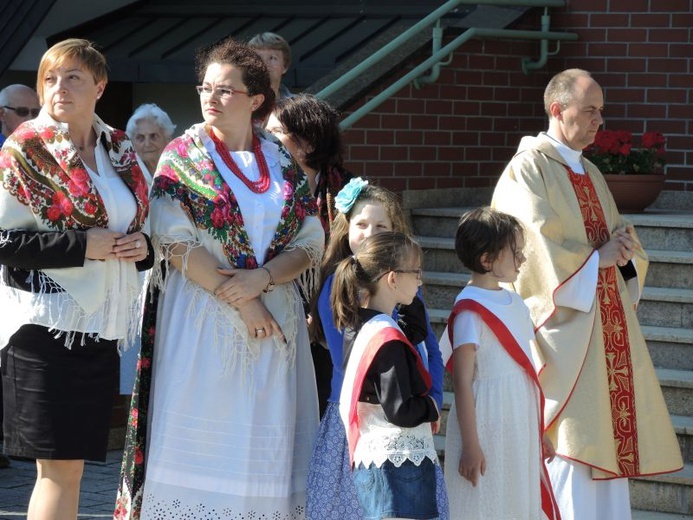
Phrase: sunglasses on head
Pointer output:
(24, 111)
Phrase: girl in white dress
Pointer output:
(494, 440)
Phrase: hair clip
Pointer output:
(346, 198)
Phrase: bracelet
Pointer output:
(270, 284)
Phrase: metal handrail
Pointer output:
(436, 57)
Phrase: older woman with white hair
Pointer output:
(150, 129)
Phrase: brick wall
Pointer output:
(461, 130)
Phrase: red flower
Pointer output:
(53, 213)
(613, 151)
(139, 457)
(47, 133)
(218, 219)
(89, 208)
(65, 204)
(653, 140)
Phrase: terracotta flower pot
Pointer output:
(634, 192)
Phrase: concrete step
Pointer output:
(664, 230)
(670, 269)
(667, 268)
(656, 229)
(677, 387)
(436, 222)
(639, 514)
(671, 493)
(670, 347)
(666, 307)
(659, 306)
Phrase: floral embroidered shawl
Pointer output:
(186, 173)
(42, 169)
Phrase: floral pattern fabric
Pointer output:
(187, 174)
(42, 169)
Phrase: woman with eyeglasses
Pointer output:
(73, 207)
(233, 410)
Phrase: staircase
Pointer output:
(665, 313)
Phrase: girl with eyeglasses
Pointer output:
(385, 404)
(364, 210)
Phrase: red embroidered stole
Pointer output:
(615, 332)
(514, 350)
(380, 338)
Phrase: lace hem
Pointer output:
(179, 508)
(397, 459)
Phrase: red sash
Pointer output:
(512, 347)
(618, 360)
(380, 338)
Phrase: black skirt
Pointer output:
(58, 401)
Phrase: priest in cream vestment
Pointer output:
(585, 271)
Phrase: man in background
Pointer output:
(18, 103)
(276, 53)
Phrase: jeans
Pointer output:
(408, 491)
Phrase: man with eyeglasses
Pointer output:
(18, 103)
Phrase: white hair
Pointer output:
(152, 112)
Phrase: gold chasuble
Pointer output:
(604, 406)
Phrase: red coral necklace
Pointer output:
(259, 186)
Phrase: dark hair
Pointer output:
(338, 246)
(317, 123)
(253, 69)
(484, 231)
(358, 274)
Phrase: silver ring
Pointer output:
(138, 244)
(261, 329)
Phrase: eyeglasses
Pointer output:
(418, 272)
(24, 111)
(222, 92)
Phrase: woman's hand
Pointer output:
(260, 322)
(242, 285)
(472, 464)
(131, 248)
(101, 244)
(548, 451)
